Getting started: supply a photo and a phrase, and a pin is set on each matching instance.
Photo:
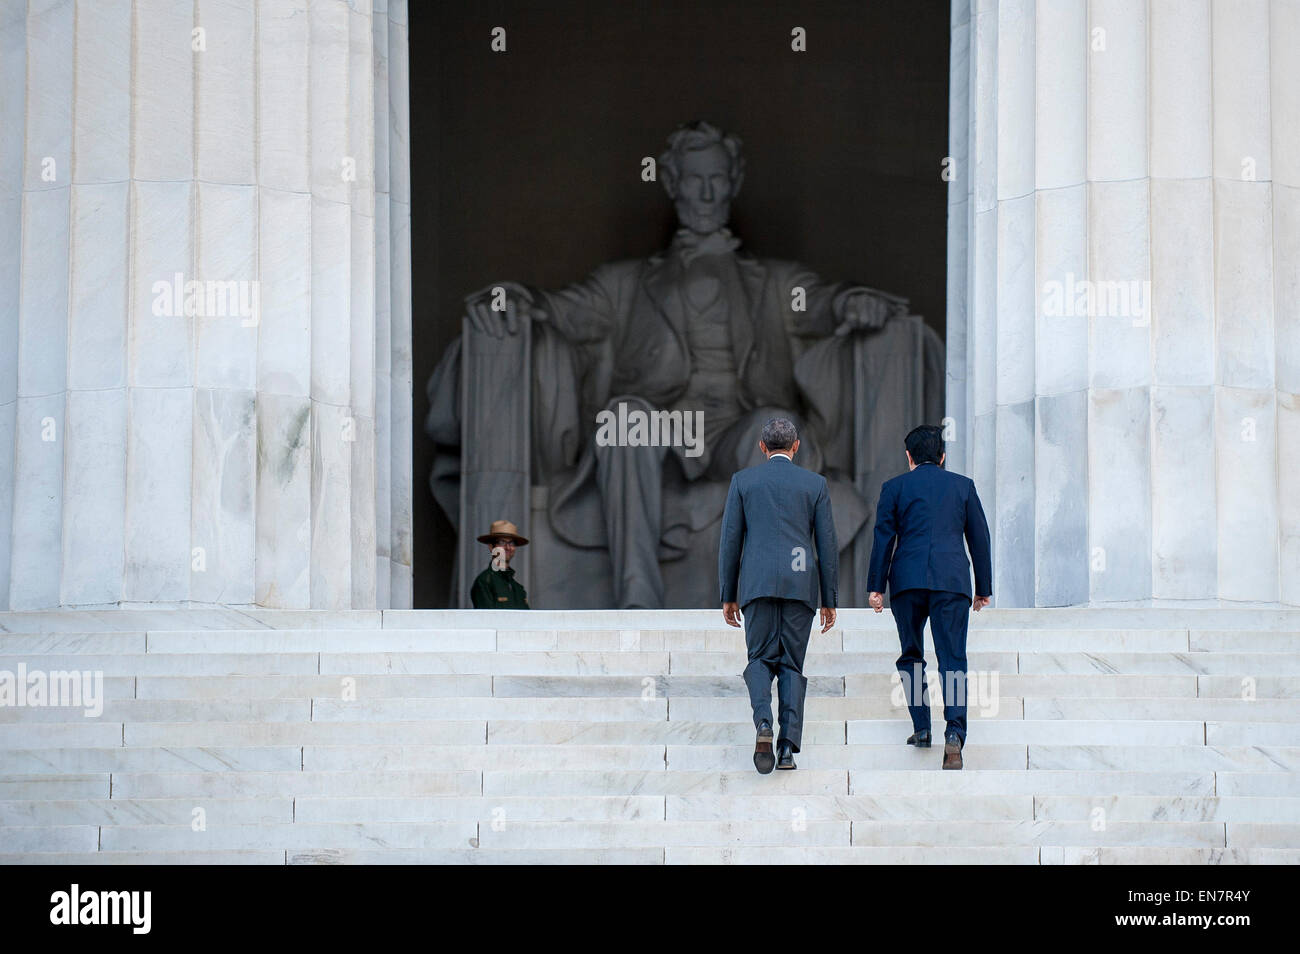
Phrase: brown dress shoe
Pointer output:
(764, 760)
(952, 746)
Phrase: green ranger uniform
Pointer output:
(498, 590)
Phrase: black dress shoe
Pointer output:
(785, 755)
(763, 758)
(920, 739)
(952, 746)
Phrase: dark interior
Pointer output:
(526, 164)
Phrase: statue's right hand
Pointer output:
(499, 308)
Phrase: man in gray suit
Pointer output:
(776, 514)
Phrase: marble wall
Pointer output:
(204, 303)
(1124, 295)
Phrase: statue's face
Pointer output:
(704, 189)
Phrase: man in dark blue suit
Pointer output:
(921, 522)
(777, 514)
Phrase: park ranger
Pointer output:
(496, 587)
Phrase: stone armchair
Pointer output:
(511, 417)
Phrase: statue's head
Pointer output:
(702, 171)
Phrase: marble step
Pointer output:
(1051, 686)
(921, 781)
(169, 710)
(1239, 687)
(1238, 641)
(186, 857)
(487, 810)
(166, 664)
(838, 709)
(1097, 735)
(927, 783)
(181, 735)
(1046, 640)
(1183, 758)
(1090, 617)
(306, 687)
(307, 809)
(712, 639)
(55, 735)
(917, 782)
(794, 809)
(55, 786)
(1146, 855)
(124, 759)
(979, 756)
(443, 686)
(501, 782)
(968, 855)
(853, 855)
(481, 856)
(323, 641)
(812, 833)
(158, 811)
(296, 836)
(352, 856)
(334, 758)
(13, 644)
(698, 757)
(1046, 732)
(1200, 709)
(1149, 808)
(1285, 784)
(1039, 832)
(828, 664)
(583, 709)
(1240, 664)
(523, 834)
(676, 732)
(149, 617)
(36, 838)
(344, 783)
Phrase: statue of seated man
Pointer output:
(702, 327)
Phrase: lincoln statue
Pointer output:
(703, 328)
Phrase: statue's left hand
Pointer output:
(862, 311)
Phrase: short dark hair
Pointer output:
(925, 444)
(779, 434)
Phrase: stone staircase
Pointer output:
(1164, 736)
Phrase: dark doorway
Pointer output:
(526, 164)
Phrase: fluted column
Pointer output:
(192, 402)
(1141, 442)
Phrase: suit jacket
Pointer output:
(777, 514)
(921, 521)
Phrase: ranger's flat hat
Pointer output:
(503, 528)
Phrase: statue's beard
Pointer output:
(499, 561)
(703, 221)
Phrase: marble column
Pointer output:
(204, 303)
(1124, 288)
